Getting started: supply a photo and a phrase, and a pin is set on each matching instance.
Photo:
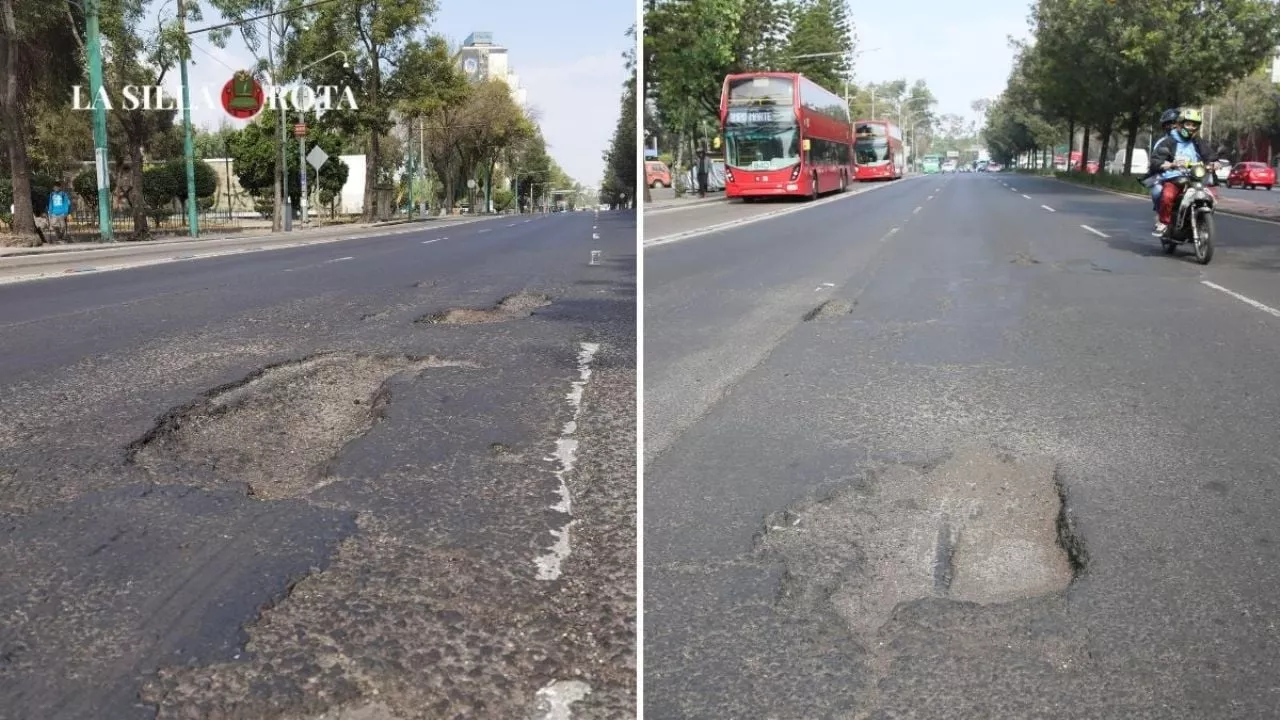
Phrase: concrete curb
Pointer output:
(682, 205)
(1134, 196)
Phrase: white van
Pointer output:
(1137, 167)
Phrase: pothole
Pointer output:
(511, 307)
(278, 429)
(981, 526)
(829, 309)
(1024, 259)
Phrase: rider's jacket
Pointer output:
(1173, 147)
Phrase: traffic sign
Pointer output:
(317, 157)
(299, 130)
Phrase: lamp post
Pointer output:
(302, 139)
(94, 50)
(188, 145)
(851, 55)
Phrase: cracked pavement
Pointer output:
(256, 486)
(963, 446)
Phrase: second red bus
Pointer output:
(877, 151)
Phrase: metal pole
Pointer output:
(284, 160)
(409, 169)
(302, 167)
(422, 167)
(188, 145)
(226, 163)
(94, 39)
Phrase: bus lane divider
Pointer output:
(719, 227)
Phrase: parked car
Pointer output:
(1251, 175)
(657, 174)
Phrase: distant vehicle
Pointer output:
(1251, 175)
(1222, 172)
(931, 164)
(657, 174)
(949, 166)
(784, 135)
(1138, 166)
(877, 151)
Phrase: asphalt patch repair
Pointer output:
(829, 309)
(278, 429)
(511, 307)
(981, 526)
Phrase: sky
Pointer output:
(960, 49)
(567, 53)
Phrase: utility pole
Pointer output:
(188, 146)
(93, 36)
(302, 163)
(283, 176)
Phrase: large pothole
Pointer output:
(511, 307)
(982, 526)
(278, 429)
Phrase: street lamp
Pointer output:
(302, 139)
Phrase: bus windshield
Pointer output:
(869, 152)
(771, 146)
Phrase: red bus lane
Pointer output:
(877, 150)
(784, 135)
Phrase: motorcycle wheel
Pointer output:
(1204, 247)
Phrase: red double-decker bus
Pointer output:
(877, 151)
(784, 135)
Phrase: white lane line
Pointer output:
(891, 233)
(511, 224)
(824, 286)
(1026, 196)
(428, 242)
(929, 198)
(349, 257)
(709, 229)
(913, 212)
(567, 456)
(485, 230)
(1099, 233)
(1247, 301)
(555, 698)
(1012, 188)
(1046, 207)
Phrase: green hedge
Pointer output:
(1120, 183)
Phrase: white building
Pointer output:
(482, 60)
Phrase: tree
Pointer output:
(34, 48)
(380, 35)
(619, 184)
(820, 42)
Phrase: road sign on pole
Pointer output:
(300, 130)
(317, 157)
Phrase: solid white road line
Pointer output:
(1247, 301)
(1095, 232)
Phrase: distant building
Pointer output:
(482, 60)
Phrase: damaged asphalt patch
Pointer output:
(278, 429)
(828, 310)
(981, 526)
(511, 307)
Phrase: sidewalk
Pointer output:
(689, 200)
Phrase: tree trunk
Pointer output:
(373, 158)
(12, 113)
(1071, 143)
(1084, 151)
(277, 215)
(1105, 152)
(1135, 118)
(141, 230)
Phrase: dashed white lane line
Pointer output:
(913, 212)
(824, 286)
(1099, 233)
(566, 455)
(1012, 188)
(709, 229)
(555, 698)
(1246, 300)
(349, 257)
(483, 231)
(1046, 207)
(428, 242)
(1026, 196)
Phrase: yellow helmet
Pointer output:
(1190, 115)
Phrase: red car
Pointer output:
(1251, 175)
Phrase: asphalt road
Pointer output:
(316, 482)
(941, 451)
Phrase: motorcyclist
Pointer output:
(1168, 120)
(1178, 149)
